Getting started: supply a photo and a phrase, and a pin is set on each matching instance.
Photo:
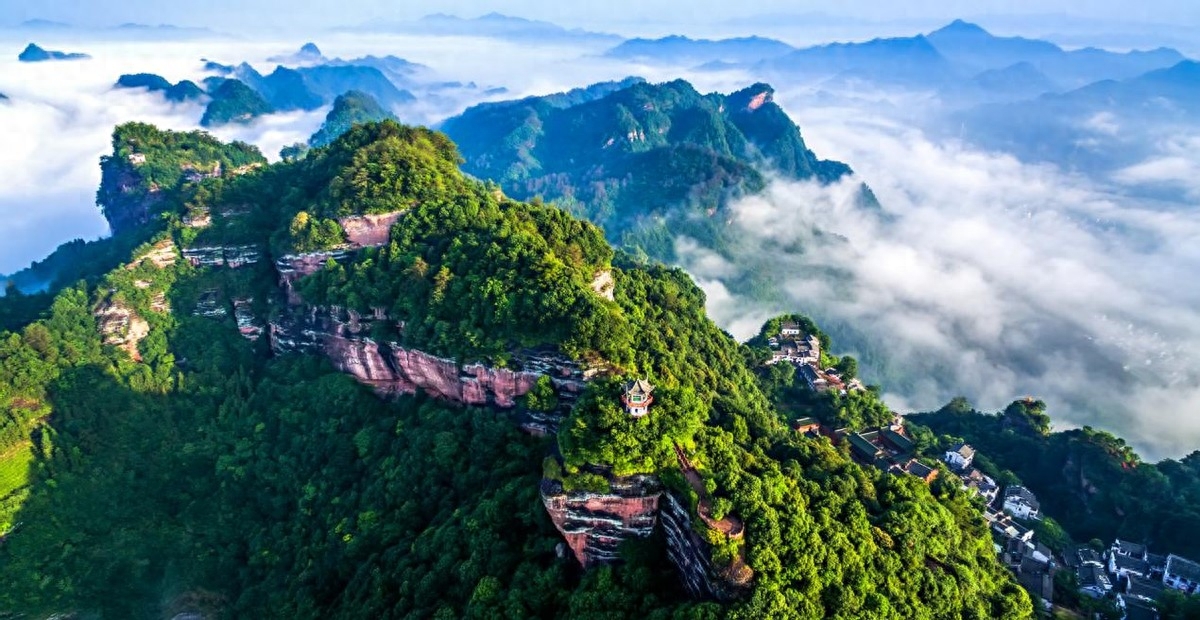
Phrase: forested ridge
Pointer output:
(214, 477)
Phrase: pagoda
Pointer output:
(637, 397)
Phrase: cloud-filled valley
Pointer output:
(983, 276)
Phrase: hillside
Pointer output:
(35, 53)
(198, 442)
(234, 102)
(644, 161)
(349, 109)
(1090, 481)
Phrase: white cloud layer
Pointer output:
(986, 277)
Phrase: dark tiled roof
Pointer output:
(1023, 493)
(919, 469)
(639, 386)
(1183, 567)
(1139, 610)
(1155, 560)
(1129, 548)
(863, 446)
(1148, 588)
(902, 443)
(1129, 563)
(1091, 575)
(964, 450)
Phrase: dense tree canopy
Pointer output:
(210, 476)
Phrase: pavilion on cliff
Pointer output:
(637, 397)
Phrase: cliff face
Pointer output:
(595, 524)
(232, 256)
(345, 338)
(363, 231)
(125, 203)
(692, 556)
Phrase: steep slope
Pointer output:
(349, 109)
(183, 468)
(234, 102)
(639, 160)
(1089, 481)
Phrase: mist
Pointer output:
(982, 276)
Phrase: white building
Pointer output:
(790, 329)
(1020, 502)
(960, 456)
(1181, 574)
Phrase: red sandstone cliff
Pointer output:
(595, 524)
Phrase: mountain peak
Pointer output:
(961, 28)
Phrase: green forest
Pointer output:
(1089, 480)
(213, 477)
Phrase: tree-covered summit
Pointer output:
(203, 475)
(640, 154)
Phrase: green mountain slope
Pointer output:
(234, 102)
(177, 467)
(349, 109)
(647, 161)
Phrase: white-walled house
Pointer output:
(960, 456)
(1021, 503)
(1181, 574)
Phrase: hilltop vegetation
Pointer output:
(234, 102)
(647, 162)
(211, 477)
(349, 109)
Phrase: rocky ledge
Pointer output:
(345, 337)
(595, 524)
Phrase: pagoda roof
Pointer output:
(639, 386)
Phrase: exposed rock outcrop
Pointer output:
(122, 327)
(604, 285)
(367, 231)
(233, 256)
(345, 338)
(248, 323)
(292, 267)
(692, 556)
(595, 524)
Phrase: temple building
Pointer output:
(637, 397)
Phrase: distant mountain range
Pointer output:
(962, 62)
(494, 25)
(121, 31)
(682, 50)
(34, 53)
(1096, 128)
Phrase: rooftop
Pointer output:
(1130, 563)
(1183, 567)
(1124, 547)
(1090, 575)
(1145, 588)
(964, 450)
(1021, 493)
(639, 386)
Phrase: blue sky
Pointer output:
(247, 15)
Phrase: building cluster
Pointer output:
(1127, 571)
(888, 448)
(803, 351)
(1133, 575)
